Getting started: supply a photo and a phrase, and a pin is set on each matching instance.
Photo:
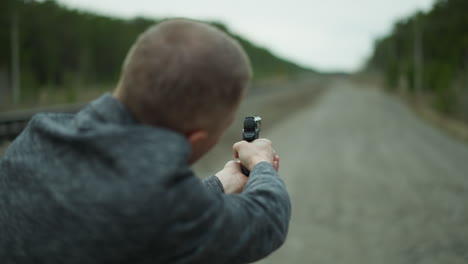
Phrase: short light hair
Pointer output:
(183, 75)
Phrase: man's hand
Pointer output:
(232, 178)
(250, 154)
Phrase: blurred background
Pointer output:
(366, 101)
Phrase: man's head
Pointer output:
(186, 76)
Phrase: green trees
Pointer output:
(60, 47)
(429, 50)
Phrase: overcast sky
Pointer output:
(330, 35)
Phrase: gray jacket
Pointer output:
(98, 187)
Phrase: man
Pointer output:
(113, 184)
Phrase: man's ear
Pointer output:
(196, 136)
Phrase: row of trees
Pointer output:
(45, 44)
(427, 55)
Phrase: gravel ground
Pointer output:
(371, 183)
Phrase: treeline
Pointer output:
(58, 47)
(427, 55)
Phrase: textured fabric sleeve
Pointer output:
(213, 184)
(209, 227)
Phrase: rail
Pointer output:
(12, 123)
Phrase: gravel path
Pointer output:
(371, 183)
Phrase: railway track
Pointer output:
(12, 123)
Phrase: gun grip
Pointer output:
(245, 171)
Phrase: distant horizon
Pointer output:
(336, 36)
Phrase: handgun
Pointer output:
(251, 131)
